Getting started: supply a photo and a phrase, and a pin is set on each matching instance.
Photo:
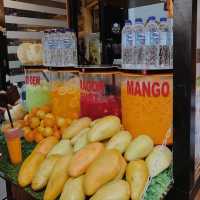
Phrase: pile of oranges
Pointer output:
(41, 123)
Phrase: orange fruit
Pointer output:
(34, 111)
(34, 122)
(48, 131)
(57, 134)
(61, 122)
(49, 121)
(29, 136)
(27, 120)
(38, 137)
(41, 114)
(46, 108)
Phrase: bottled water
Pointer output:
(171, 43)
(139, 49)
(60, 35)
(165, 40)
(54, 47)
(70, 50)
(45, 39)
(60, 48)
(127, 45)
(152, 40)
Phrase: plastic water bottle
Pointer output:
(60, 33)
(165, 40)
(171, 43)
(139, 49)
(152, 40)
(45, 39)
(127, 45)
(75, 54)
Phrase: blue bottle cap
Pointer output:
(128, 22)
(138, 20)
(152, 18)
(163, 19)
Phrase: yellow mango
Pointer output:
(120, 141)
(62, 148)
(137, 176)
(29, 168)
(75, 127)
(45, 145)
(73, 189)
(104, 169)
(115, 190)
(159, 160)
(104, 129)
(122, 171)
(139, 148)
(33, 161)
(58, 178)
(42, 175)
(83, 159)
(81, 142)
(80, 134)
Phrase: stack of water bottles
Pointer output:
(60, 48)
(147, 47)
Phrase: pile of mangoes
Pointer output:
(96, 160)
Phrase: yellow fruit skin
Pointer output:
(137, 175)
(104, 128)
(32, 163)
(81, 142)
(159, 159)
(45, 145)
(120, 141)
(80, 134)
(139, 148)
(76, 127)
(62, 148)
(29, 168)
(83, 159)
(115, 190)
(41, 177)
(104, 169)
(122, 171)
(58, 178)
(73, 189)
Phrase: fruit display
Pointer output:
(111, 165)
(40, 123)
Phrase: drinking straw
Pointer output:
(45, 76)
(9, 116)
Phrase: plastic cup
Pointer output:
(14, 145)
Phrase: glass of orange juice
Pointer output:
(13, 140)
(65, 93)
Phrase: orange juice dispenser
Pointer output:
(100, 92)
(65, 93)
(37, 88)
(147, 105)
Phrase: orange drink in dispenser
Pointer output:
(65, 92)
(147, 105)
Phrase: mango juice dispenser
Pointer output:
(147, 105)
(65, 93)
(100, 92)
(37, 88)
